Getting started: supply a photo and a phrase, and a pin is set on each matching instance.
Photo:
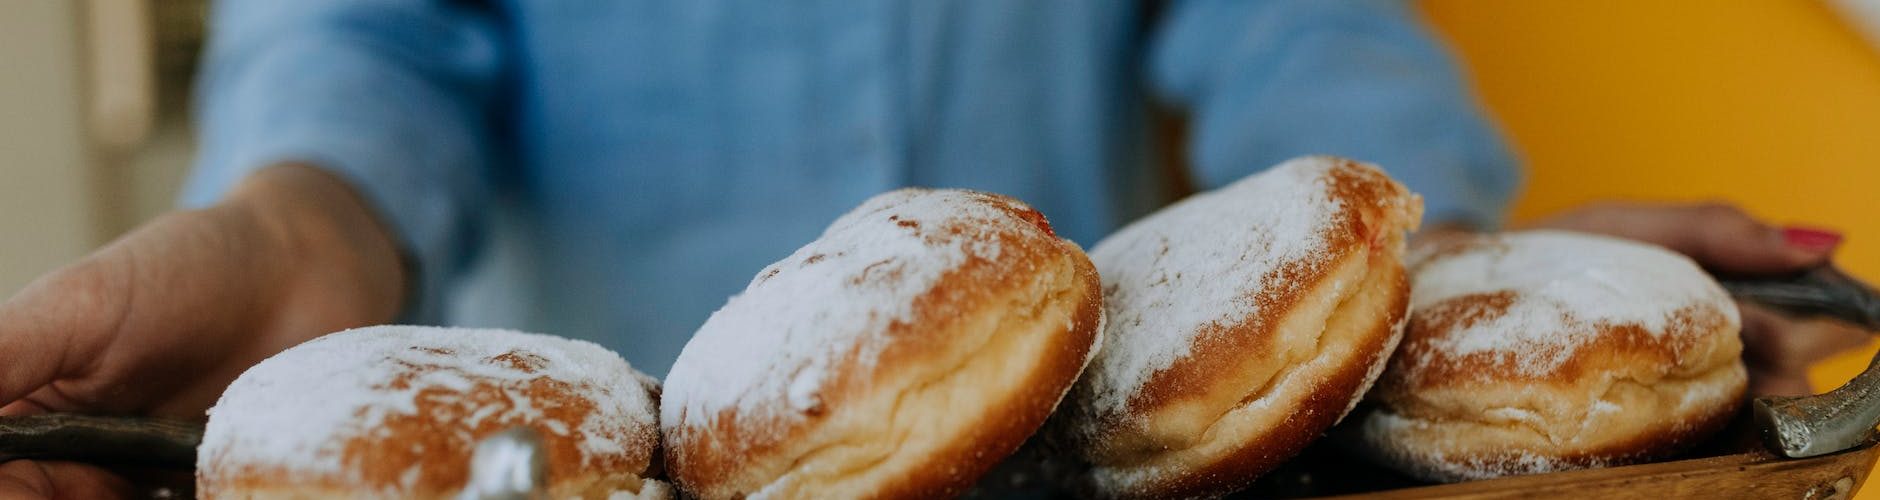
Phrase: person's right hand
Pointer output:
(159, 322)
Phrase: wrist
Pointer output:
(338, 255)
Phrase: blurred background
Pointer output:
(1773, 105)
(94, 129)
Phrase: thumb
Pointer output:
(57, 324)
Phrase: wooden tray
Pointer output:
(1735, 464)
(1740, 475)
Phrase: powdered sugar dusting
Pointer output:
(1561, 288)
(1439, 464)
(296, 410)
(804, 387)
(774, 346)
(1199, 262)
(649, 490)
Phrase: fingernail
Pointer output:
(1815, 240)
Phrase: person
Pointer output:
(614, 170)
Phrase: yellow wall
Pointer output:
(1773, 105)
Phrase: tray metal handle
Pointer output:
(1809, 426)
(1837, 420)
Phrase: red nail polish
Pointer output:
(1811, 239)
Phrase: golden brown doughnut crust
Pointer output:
(1254, 390)
(425, 452)
(1319, 409)
(1628, 393)
(988, 352)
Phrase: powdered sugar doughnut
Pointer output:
(920, 340)
(1243, 322)
(1542, 351)
(395, 412)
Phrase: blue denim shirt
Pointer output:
(614, 170)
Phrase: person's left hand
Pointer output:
(1777, 349)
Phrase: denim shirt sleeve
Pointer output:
(391, 95)
(1271, 79)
